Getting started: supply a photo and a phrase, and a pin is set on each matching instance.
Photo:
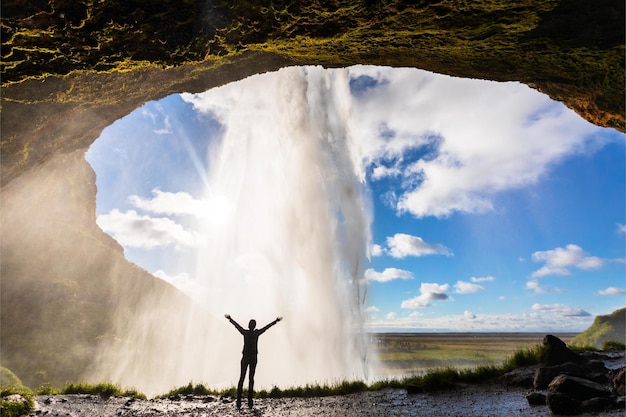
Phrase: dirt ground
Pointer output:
(475, 400)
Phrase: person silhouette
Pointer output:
(249, 354)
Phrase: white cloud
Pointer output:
(215, 210)
(382, 171)
(428, 292)
(463, 287)
(166, 129)
(559, 261)
(621, 228)
(372, 309)
(560, 310)
(402, 245)
(534, 285)
(390, 316)
(167, 126)
(469, 315)
(539, 289)
(179, 203)
(482, 279)
(535, 322)
(376, 250)
(389, 274)
(469, 139)
(140, 231)
(148, 114)
(612, 291)
(184, 283)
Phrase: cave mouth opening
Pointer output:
(384, 179)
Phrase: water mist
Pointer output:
(284, 232)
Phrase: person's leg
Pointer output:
(251, 382)
(244, 365)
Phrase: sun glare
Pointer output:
(216, 211)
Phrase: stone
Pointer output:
(563, 404)
(536, 398)
(579, 388)
(15, 398)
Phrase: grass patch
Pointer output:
(524, 357)
(104, 389)
(613, 345)
(316, 390)
(191, 389)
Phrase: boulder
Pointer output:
(592, 370)
(563, 404)
(557, 353)
(579, 388)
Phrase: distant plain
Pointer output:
(415, 353)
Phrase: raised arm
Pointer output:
(234, 323)
(270, 325)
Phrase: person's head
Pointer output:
(252, 324)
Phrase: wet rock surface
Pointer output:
(578, 383)
(468, 401)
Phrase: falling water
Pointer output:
(285, 233)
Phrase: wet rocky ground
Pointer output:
(474, 400)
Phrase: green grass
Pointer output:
(104, 389)
(613, 345)
(524, 357)
(190, 389)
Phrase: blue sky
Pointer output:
(493, 208)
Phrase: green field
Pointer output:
(411, 353)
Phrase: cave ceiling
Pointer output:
(71, 68)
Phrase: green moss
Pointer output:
(577, 46)
(9, 380)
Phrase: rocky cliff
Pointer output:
(611, 327)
